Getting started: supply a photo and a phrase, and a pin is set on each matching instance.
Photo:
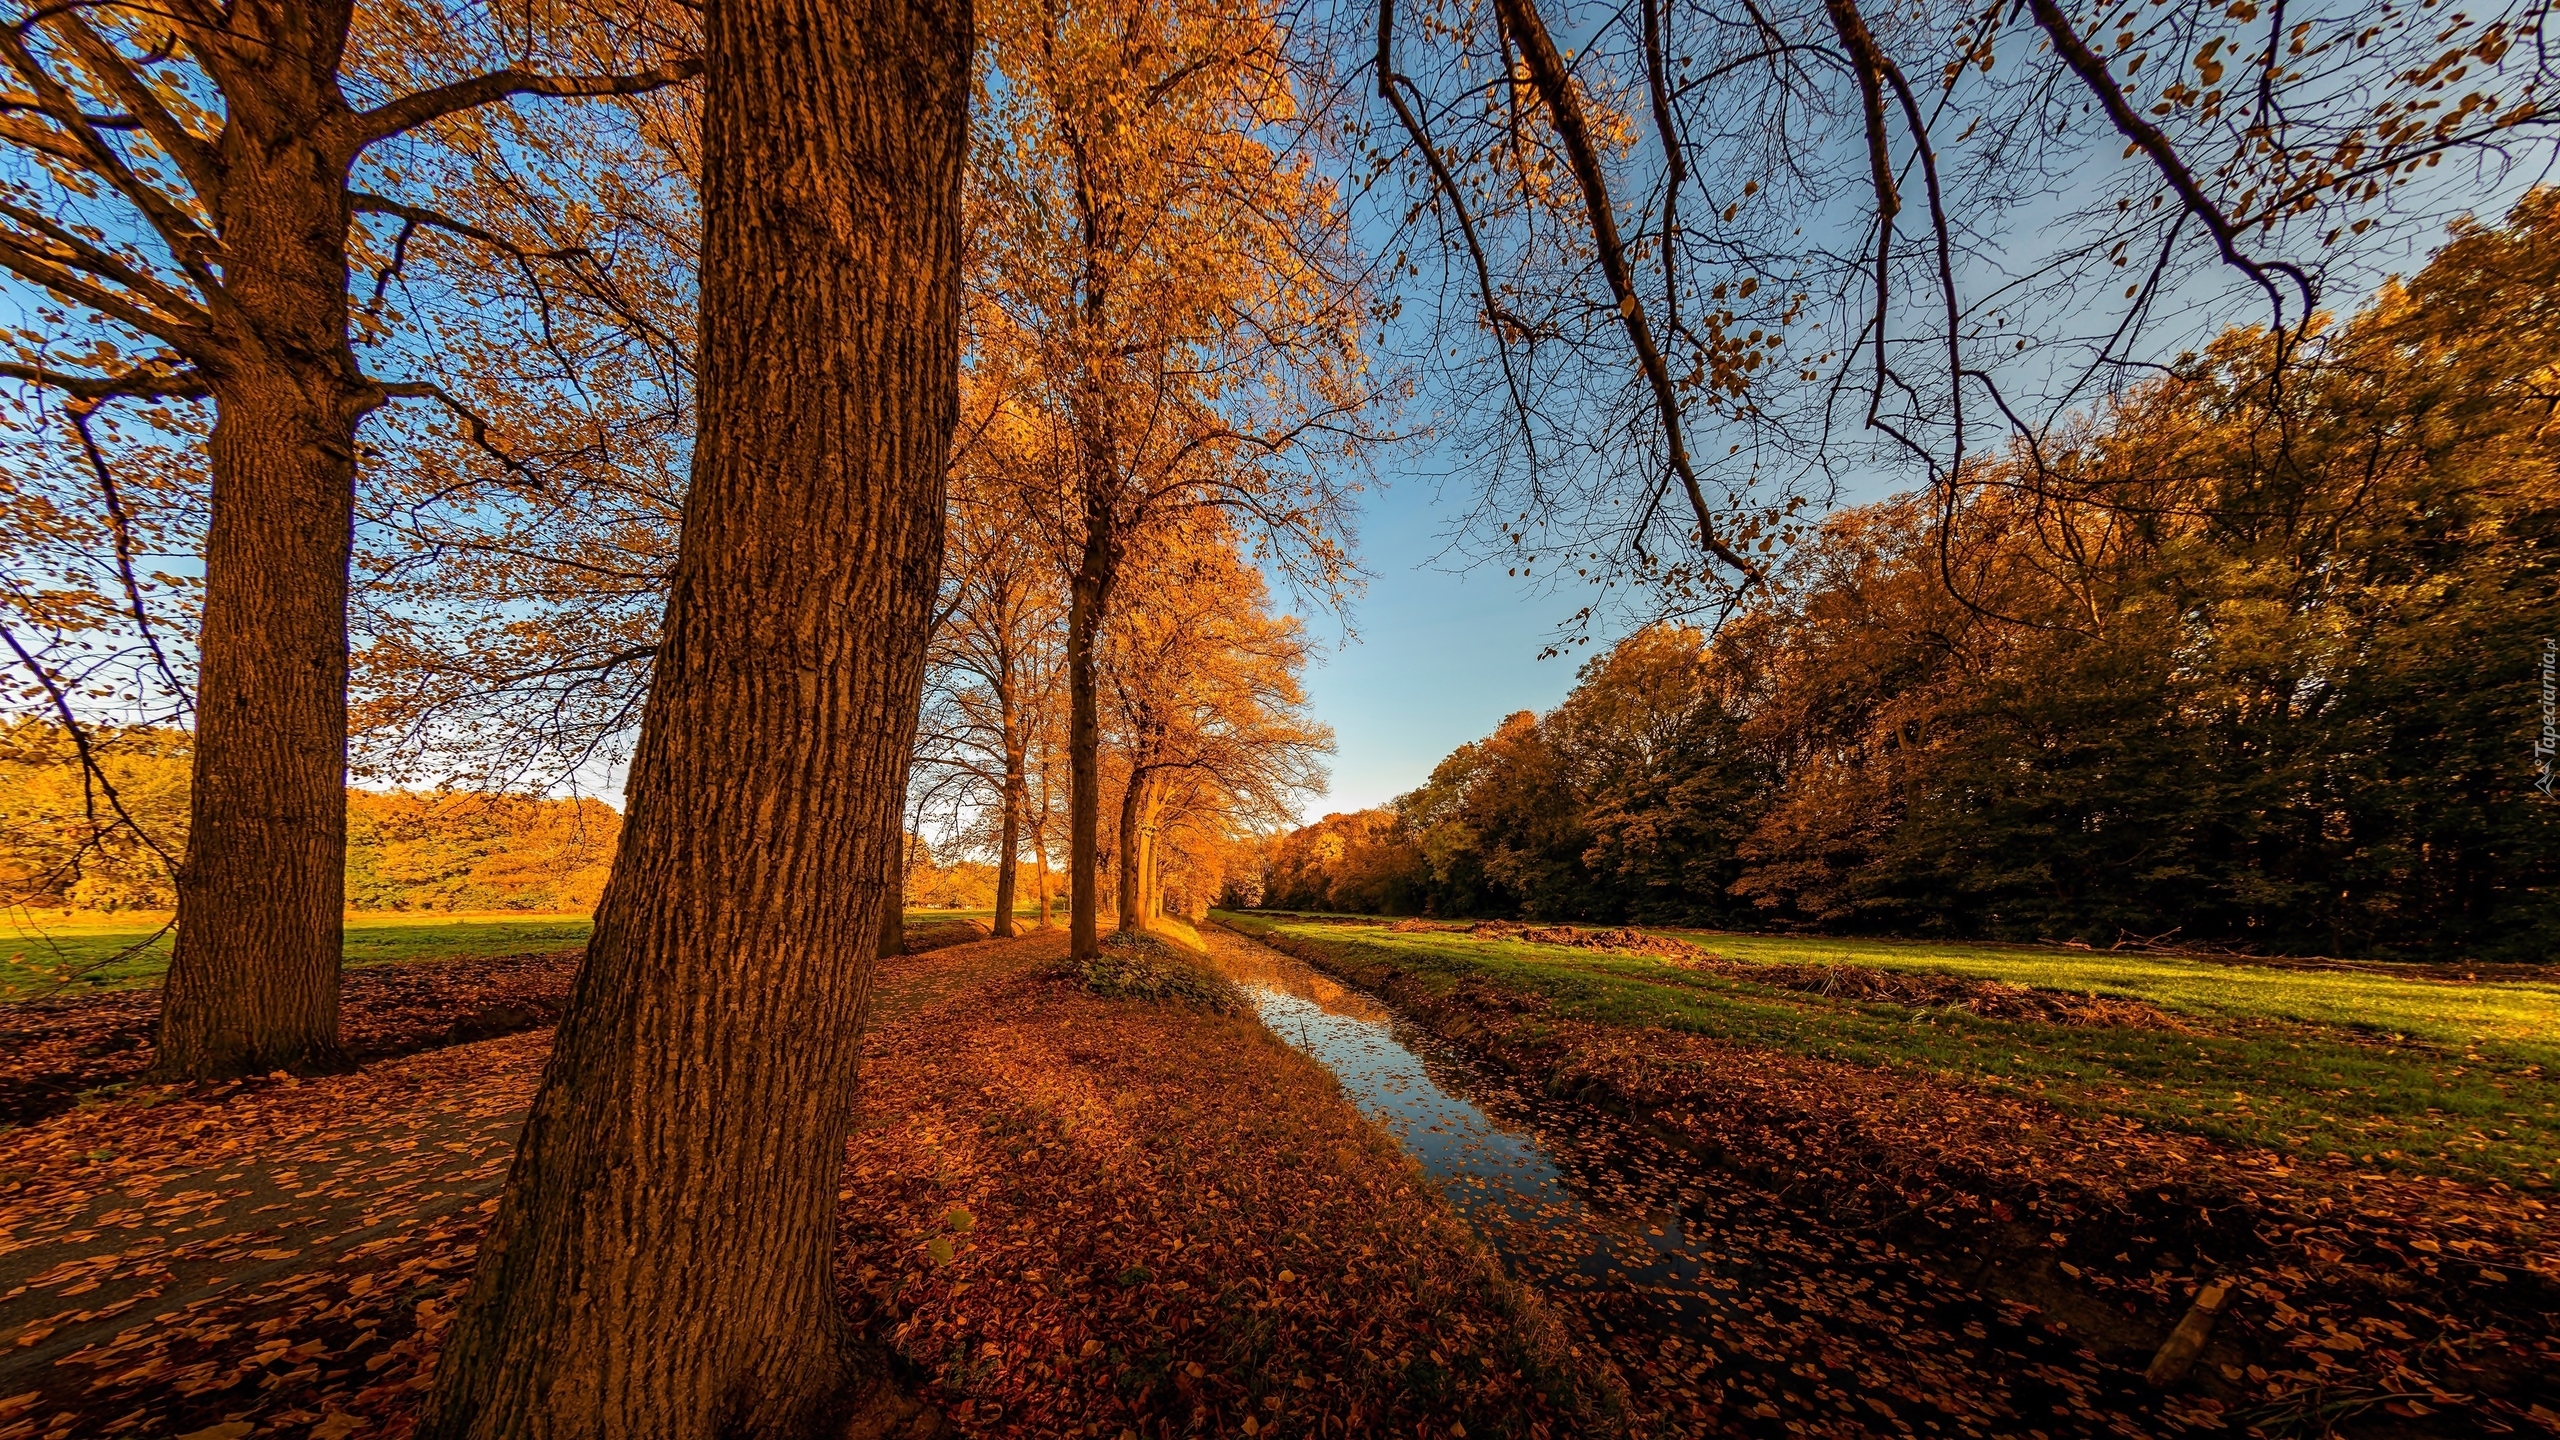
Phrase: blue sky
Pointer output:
(1440, 652)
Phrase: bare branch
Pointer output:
(1520, 20)
(2163, 155)
(410, 112)
(91, 772)
(137, 384)
(195, 158)
(120, 529)
(472, 419)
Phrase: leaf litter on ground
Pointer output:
(2365, 1301)
(1061, 1209)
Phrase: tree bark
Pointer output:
(662, 1260)
(1040, 855)
(1089, 596)
(893, 907)
(1150, 863)
(253, 980)
(1137, 849)
(1008, 840)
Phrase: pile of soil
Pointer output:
(1148, 967)
(1991, 999)
(943, 934)
(1621, 940)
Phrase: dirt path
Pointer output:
(283, 1258)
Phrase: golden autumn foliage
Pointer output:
(2265, 676)
(1207, 721)
(406, 849)
(53, 854)
(426, 850)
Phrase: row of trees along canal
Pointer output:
(619, 354)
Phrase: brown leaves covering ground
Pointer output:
(1147, 1189)
(278, 1253)
(53, 1049)
(2387, 1303)
(1092, 1215)
(1621, 940)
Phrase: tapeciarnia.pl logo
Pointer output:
(2546, 746)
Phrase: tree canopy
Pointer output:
(2221, 669)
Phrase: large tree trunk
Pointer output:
(662, 1261)
(1137, 849)
(1008, 839)
(253, 982)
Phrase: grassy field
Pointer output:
(2442, 1075)
(38, 952)
(1023, 915)
(2390, 1003)
(42, 950)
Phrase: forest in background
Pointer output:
(2223, 671)
(406, 849)
(431, 850)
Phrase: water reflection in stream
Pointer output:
(1726, 1311)
(1500, 1179)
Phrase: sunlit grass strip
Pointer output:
(37, 954)
(41, 950)
(2518, 1017)
(2243, 1067)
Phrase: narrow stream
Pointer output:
(1498, 1176)
(1727, 1311)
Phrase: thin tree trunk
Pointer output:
(1150, 863)
(1040, 852)
(893, 907)
(1088, 595)
(253, 980)
(662, 1262)
(1008, 837)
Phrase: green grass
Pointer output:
(2514, 1017)
(39, 952)
(54, 953)
(2452, 1078)
(1021, 913)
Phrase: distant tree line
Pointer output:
(2220, 669)
(406, 849)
